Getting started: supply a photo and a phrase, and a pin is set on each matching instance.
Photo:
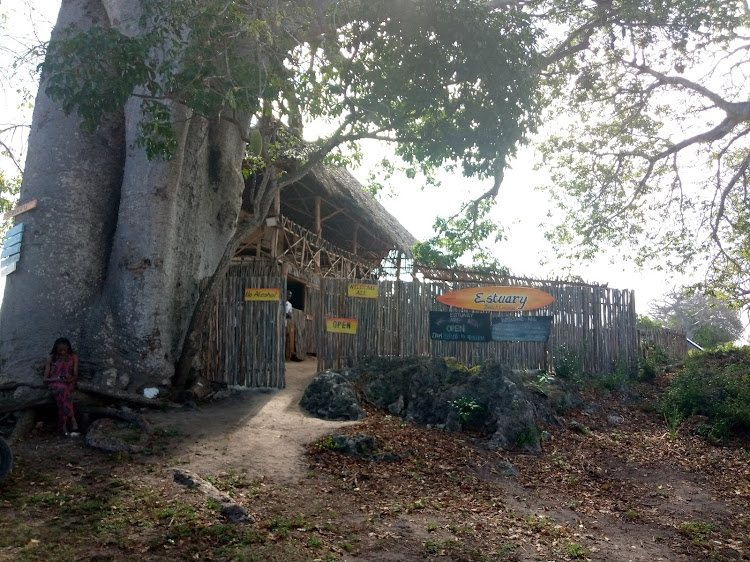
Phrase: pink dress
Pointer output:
(61, 385)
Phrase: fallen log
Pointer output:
(125, 396)
(82, 387)
(230, 509)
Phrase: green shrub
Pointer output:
(541, 382)
(456, 365)
(617, 378)
(568, 363)
(715, 385)
(468, 409)
(527, 437)
(653, 356)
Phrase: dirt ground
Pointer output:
(602, 490)
(261, 433)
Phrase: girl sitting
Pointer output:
(61, 373)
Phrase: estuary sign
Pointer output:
(502, 299)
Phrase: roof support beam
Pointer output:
(318, 223)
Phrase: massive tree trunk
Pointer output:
(114, 254)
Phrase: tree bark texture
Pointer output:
(114, 253)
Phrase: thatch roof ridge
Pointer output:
(340, 185)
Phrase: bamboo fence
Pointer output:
(596, 321)
(672, 342)
(243, 342)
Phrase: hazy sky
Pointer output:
(521, 209)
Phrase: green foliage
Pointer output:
(469, 410)
(698, 531)
(456, 365)
(447, 81)
(541, 381)
(463, 236)
(637, 164)
(228, 61)
(716, 386)
(95, 72)
(528, 437)
(575, 550)
(710, 336)
(9, 188)
(440, 66)
(327, 443)
(617, 378)
(673, 419)
(645, 323)
(706, 319)
(428, 254)
(568, 363)
(280, 526)
(725, 347)
(432, 547)
(653, 356)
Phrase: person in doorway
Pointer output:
(61, 374)
(288, 306)
(289, 337)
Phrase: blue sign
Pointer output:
(13, 240)
(9, 269)
(521, 328)
(9, 260)
(460, 326)
(15, 230)
(11, 250)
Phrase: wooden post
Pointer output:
(355, 241)
(276, 210)
(318, 223)
(318, 232)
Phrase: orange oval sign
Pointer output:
(508, 299)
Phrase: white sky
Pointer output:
(521, 209)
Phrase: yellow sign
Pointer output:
(263, 294)
(341, 325)
(506, 299)
(363, 290)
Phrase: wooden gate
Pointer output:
(244, 339)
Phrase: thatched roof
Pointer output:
(345, 208)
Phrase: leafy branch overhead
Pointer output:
(648, 152)
(652, 156)
(445, 80)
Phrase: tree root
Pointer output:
(24, 424)
(107, 436)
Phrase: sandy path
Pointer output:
(260, 433)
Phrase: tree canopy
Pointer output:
(648, 153)
(446, 81)
(652, 155)
(20, 53)
(706, 320)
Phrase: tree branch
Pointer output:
(736, 110)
